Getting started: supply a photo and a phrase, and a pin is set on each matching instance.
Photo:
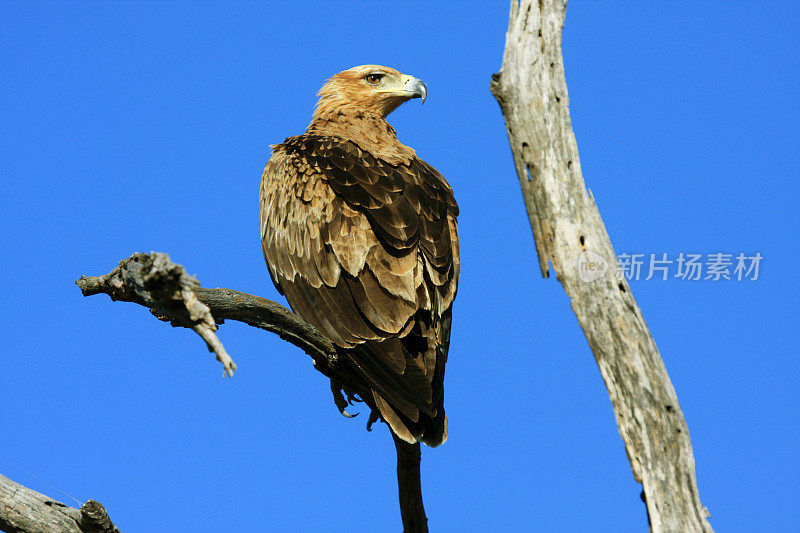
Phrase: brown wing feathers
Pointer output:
(367, 252)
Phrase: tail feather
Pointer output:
(431, 431)
(389, 415)
(435, 433)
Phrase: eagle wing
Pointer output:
(367, 252)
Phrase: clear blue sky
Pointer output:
(145, 126)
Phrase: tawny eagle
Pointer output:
(360, 236)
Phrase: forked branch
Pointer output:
(152, 280)
(172, 295)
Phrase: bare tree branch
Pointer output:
(152, 280)
(569, 233)
(23, 510)
(156, 282)
(410, 485)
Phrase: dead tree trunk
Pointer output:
(569, 234)
(23, 510)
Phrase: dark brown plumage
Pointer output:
(360, 235)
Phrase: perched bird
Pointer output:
(360, 236)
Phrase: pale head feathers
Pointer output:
(367, 88)
(353, 105)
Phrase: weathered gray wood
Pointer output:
(23, 510)
(532, 92)
(165, 287)
(152, 280)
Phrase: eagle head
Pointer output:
(370, 88)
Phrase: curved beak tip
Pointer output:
(418, 89)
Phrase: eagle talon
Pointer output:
(339, 400)
(346, 414)
(373, 417)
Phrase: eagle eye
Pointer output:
(374, 78)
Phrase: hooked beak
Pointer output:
(415, 88)
(401, 90)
